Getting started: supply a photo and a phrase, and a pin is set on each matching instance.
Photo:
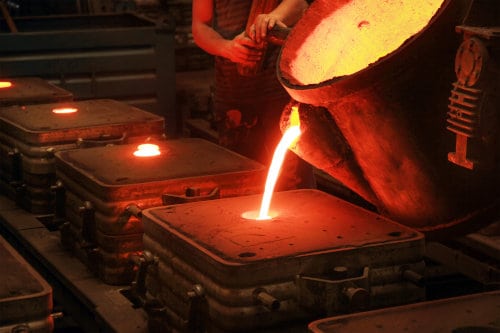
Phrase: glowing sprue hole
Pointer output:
(64, 110)
(289, 137)
(5, 84)
(146, 150)
(254, 215)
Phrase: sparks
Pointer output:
(289, 138)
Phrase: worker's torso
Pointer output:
(230, 19)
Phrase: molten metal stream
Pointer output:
(289, 137)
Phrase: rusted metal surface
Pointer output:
(391, 115)
(25, 297)
(98, 119)
(107, 187)
(31, 90)
(114, 174)
(472, 313)
(318, 255)
(31, 134)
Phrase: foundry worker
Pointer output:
(248, 107)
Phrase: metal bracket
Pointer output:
(103, 141)
(16, 177)
(411, 276)
(89, 227)
(330, 296)
(16, 162)
(60, 203)
(138, 287)
(261, 296)
(130, 210)
(89, 236)
(198, 309)
(139, 296)
(192, 194)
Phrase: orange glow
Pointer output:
(5, 84)
(254, 215)
(357, 35)
(64, 110)
(289, 138)
(147, 150)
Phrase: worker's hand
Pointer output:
(262, 24)
(243, 50)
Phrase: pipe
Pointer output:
(266, 299)
(5, 13)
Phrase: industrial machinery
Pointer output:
(376, 91)
(398, 101)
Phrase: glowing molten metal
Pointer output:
(64, 110)
(147, 150)
(289, 138)
(5, 84)
(357, 35)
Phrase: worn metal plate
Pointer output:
(309, 225)
(114, 173)
(25, 297)
(293, 257)
(32, 133)
(98, 119)
(30, 90)
(472, 313)
(112, 179)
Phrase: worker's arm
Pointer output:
(240, 49)
(286, 14)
